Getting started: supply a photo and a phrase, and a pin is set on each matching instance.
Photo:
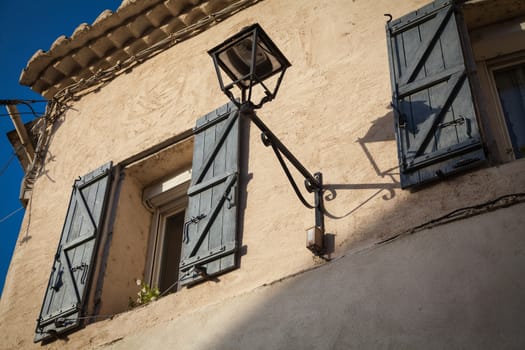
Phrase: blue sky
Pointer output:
(25, 27)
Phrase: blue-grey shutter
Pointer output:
(73, 265)
(210, 235)
(435, 118)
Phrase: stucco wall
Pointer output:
(441, 288)
(332, 111)
(127, 250)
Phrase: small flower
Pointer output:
(139, 282)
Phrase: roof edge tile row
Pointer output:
(112, 38)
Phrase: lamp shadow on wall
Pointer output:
(381, 131)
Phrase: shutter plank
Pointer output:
(433, 64)
(425, 46)
(450, 44)
(411, 42)
(446, 135)
(219, 167)
(206, 199)
(230, 217)
(214, 146)
(193, 209)
(399, 60)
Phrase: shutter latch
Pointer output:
(84, 268)
(193, 220)
(458, 121)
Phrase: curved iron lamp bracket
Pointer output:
(313, 183)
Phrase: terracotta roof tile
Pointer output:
(113, 37)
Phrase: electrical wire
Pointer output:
(6, 165)
(21, 113)
(10, 214)
(461, 213)
(31, 108)
(27, 103)
(19, 101)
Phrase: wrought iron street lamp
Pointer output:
(250, 61)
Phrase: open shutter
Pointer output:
(436, 125)
(70, 277)
(210, 231)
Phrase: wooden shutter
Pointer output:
(436, 125)
(70, 276)
(209, 239)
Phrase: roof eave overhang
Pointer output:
(120, 36)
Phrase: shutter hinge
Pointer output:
(58, 278)
(231, 198)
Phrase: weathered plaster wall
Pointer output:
(441, 288)
(128, 248)
(332, 111)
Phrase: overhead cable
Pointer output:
(11, 214)
(6, 165)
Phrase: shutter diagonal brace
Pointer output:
(209, 158)
(210, 218)
(71, 274)
(426, 47)
(84, 207)
(430, 124)
(63, 251)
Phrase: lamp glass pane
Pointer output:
(237, 61)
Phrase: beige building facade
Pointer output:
(418, 130)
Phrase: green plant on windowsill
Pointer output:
(145, 295)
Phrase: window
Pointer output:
(510, 85)
(168, 201)
(139, 220)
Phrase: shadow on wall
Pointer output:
(381, 130)
(433, 290)
(416, 206)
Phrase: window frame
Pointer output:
(493, 65)
(165, 199)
